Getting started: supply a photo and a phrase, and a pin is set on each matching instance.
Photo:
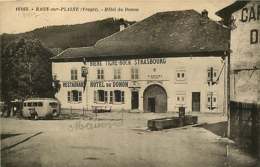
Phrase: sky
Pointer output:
(15, 20)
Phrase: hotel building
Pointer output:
(166, 61)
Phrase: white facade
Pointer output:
(179, 77)
(245, 56)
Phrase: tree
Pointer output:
(26, 70)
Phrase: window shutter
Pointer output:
(68, 97)
(105, 94)
(122, 96)
(208, 74)
(95, 96)
(111, 97)
(80, 96)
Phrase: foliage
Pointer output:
(26, 69)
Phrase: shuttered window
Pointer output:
(74, 96)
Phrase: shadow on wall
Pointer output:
(219, 128)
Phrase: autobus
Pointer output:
(41, 108)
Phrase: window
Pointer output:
(180, 99)
(29, 104)
(119, 96)
(74, 96)
(35, 104)
(117, 73)
(24, 104)
(74, 74)
(212, 74)
(100, 73)
(212, 100)
(40, 104)
(53, 104)
(180, 75)
(100, 96)
(134, 73)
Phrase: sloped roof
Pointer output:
(173, 32)
(72, 53)
(228, 10)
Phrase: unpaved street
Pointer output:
(115, 139)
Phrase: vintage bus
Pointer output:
(41, 108)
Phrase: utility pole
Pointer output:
(228, 87)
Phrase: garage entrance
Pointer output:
(155, 99)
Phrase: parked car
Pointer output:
(41, 108)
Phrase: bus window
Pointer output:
(40, 104)
(24, 104)
(53, 104)
(29, 104)
(34, 104)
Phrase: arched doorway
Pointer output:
(155, 99)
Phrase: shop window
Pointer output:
(134, 73)
(74, 74)
(180, 75)
(74, 96)
(212, 100)
(117, 73)
(119, 96)
(100, 73)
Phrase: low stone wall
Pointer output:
(245, 126)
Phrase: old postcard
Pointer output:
(130, 83)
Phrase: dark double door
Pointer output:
(195, 101)
(135, 100)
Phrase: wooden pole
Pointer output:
(228, 93)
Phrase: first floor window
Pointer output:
(212, 74)
(74, 74)
(100, 96)
(100, 73)
(117, 73)
(119, 96)
(74, 96)
(134, 73)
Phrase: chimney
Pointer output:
(204, 16)
(204, 13)
(122, 24)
